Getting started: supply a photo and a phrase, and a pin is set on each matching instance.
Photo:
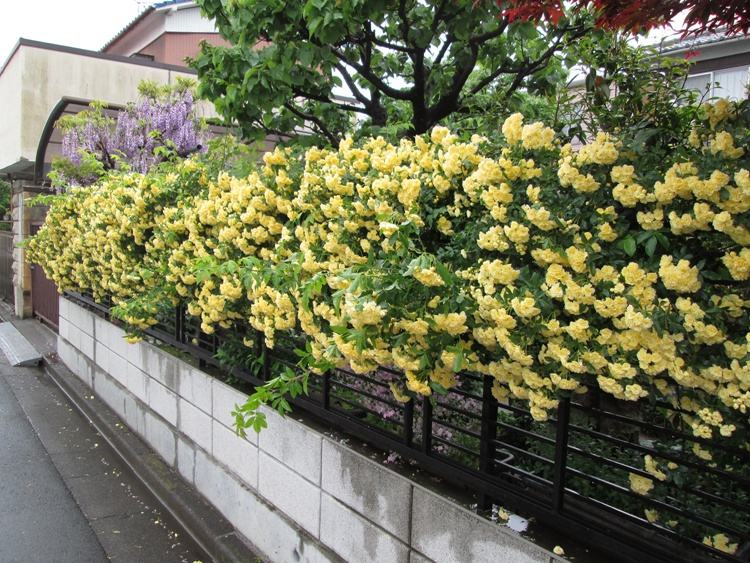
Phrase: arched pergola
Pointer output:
(50, 140)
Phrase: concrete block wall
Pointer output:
(294, 493)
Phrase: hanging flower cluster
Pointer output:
(163, 121)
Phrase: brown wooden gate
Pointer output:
(44, 297)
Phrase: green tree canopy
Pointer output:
(400, 64)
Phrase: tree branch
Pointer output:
(438, 17)
(448, 102)
(387, 44)
(530, 68)
(404, 24)
(327, 100)
(487, 79)
(318, 123)
(526, 69)
(484, 37)
(372, 78)
(356, 92)
(443, 49)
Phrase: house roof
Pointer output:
(22, 42)
(143, 15)
(677, 44)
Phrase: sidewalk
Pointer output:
(65, 495)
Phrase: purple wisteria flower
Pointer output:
(135, 137)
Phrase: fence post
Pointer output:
(426, 425)
(409, 422)
(327, 390)
(178, 324)
(561, 454)
(488, 433)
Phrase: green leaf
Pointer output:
(628, 245)
(458, 360)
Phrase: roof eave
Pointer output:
(128, 27)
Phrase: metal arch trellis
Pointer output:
(569, 473)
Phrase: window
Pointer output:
(732, 82)
(142, 56)
(724, 83)
(702, 83)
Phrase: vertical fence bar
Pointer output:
(426, 425)
(409, 422)
(178, 324)
(488, 433)
(327, 390)
(561, 454)
(266, 359)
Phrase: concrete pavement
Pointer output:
(39, 518)
(65, 495)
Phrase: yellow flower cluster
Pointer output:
(102, 239)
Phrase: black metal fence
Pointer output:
(6, 266)
(574, 473)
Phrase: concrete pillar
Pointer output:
(21, 271)
(23, 216)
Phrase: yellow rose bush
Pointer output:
(550, 269)
(237, 218)
(110, 239)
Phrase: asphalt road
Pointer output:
(39, 519)
(65, 494)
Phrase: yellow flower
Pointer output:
(516, 233)
(640, 484)
(428, 277)
(680, 277)
(577, 259)
(409, 192)
(452, 323)
(738, 264)
(398, 394)
(720, 542)
(445, 226)
(512, 128)
(525, 308)
(723, 142)
(536, 136)
(496, 272)
(578, 330)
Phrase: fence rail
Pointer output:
(572, 473)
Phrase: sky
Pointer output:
(87, 24)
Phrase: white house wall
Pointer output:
(188, 20)
(11, 86)
(37, 78)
